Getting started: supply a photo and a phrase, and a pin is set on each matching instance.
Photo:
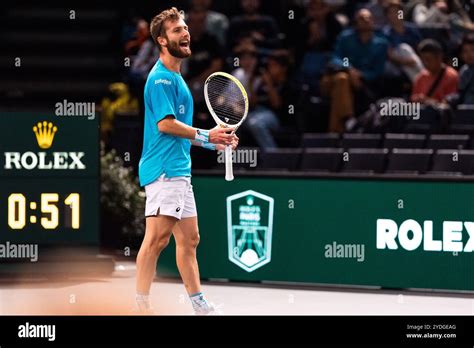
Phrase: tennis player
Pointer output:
(165, 165)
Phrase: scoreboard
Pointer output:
(49, 179)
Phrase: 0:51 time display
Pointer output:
(17, 217)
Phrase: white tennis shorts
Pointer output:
(171, 197)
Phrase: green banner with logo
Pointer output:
(387, 233)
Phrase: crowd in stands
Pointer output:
(346, 55)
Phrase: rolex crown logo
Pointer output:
(45, 134)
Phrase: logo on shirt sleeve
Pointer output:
(163, 82)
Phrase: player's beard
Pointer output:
(177, 51)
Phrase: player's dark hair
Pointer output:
(157, 25)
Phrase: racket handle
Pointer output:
(229, 175)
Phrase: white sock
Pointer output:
(143, 301)
(199, 302)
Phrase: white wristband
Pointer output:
(209, 146)
(202, 135)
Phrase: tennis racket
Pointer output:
(228, 104)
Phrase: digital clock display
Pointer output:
(49, 179)
(17, 214)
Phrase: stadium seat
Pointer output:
(281, 158)
(287, 137)
(404, 141)
(428, 122)
(320, 139)
(464, 114)
(324, 159)
(409, 160)
(360, 140)
(463, 120)
(447, 141)
(461, 129)
(453, 161)
(365, 160)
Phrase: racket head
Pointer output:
(226, 99)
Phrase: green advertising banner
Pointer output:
(385, 233)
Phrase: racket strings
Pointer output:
(226, 99)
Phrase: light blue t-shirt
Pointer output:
(166, 93)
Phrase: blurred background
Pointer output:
(386, 83)
(330, 87)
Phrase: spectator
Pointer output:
(320, 28)
(431, 13)
(437, 80)
(403, 39)
(270, 99)
(216, 23)
(357, 65)
(207, 53)
(206, 59)
(248, 60)
(377, 8)
(314, 47)
(466, 74)
(146, 57)
(142, 34)
(262, 29)
(442, 12)
(448, 12)
(461, 23)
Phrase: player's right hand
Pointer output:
(235, 143)
(220, 135)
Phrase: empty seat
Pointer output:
(409, 160)
(461, 129)
(281, 158)
(358, 140)
(428, 122)
(453, 161)
(322, 159)
(320, 139)
(404, 141)
(463, 120)
(287, 138)
(464, 114)
(448, 141)
(365, 160)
